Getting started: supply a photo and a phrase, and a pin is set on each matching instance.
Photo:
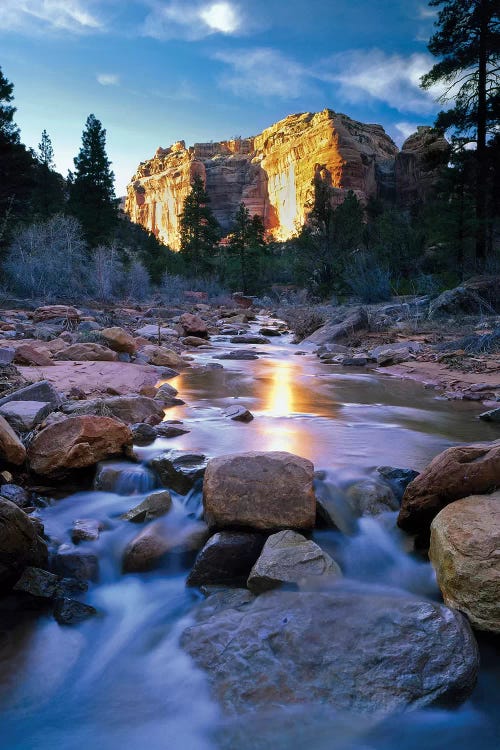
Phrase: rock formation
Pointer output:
(416, 164)
(271, 173)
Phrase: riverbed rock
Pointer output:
(7, 354)
(72, 562)
(128, 409)
(465, 552)
(86, 530)
(264, 491)
(193, 325)
(70, 612)
(226, 559)
(249, 338)
(290, 558)
(11, 449)
(179, 470)
(147, 550)
(31, 355)
(195, 341)
(119, 340)
(333, 331)
(238, 413)
(143, 434)
(41, 391)
(23, 416)
(242, 354)
(20, 545)
(153, 506)
(17, 495)
(76, 443)
(493, 415)
(399, 479)
(39, 583)
(456, 473)
(370, 497)
(86, 353)
(163, 357)
(355, 649)
(66, 313)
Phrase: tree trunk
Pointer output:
(482, 165)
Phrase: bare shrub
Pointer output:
(138, 284)
(302, 320)
(48, 260)
(368, 280)
(107, 274)
(173, 289)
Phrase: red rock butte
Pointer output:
(273, 173)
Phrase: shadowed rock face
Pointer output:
(271, 173)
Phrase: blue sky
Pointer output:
(158, 71)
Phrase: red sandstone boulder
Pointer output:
(119, 340)
(193, 325)
(86, 353)
(11, 448)
(76, 443)
(52, 312)
(31, 355)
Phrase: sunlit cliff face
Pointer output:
(272, 174)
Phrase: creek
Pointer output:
(121, 680)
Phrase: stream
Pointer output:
(120, 679)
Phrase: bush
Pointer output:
(368, 281)
(138, 286)
(107, 274)
(173, 289)
(302, 320)
(48, 260)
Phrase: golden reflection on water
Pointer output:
(280, 402)
(279, 398)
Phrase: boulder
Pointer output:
(143, 434)
(162, 357)
(226, 559)
(399, 479)
(465, 552)
(86, 353)
(128, 409)
(41, 391)
(70, 612)
(170, 430)
(11, 448)
(86, 530)
(238, 414)
(370, 497)
(57, 312)
(265, 491)
(23, 416)
(194, 341)
(352, 648)
(151, 332)
(456, 473)
(290, 558)
(7, 354)
(330, 332)
(147, 550)
(193, 325)
(242, 354)
(75, 563)
(153, 506)
(44, 585)
(249, 338)
(476, 295)
(179, 470)
(20, 545)
(30, 355)
(119, 340)
(271, 331)
(493, 415)
(16, 495)
(76, 443)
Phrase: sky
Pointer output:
(158, 71)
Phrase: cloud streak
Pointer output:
(264, 72)
(37, 16)
(108, 79)
(181, 19)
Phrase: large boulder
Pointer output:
(20, 545)
(40, 391)
(265, 491)
(290, 558)
(350, 648)
(476, 295)
(162, 357)
(23, 416)
(66, 313)
(179, 470)
(11, 448)
(333, 331)
(119, 340)
(148, 549)
(193, 325)
(31, 355)
(456, 473)
(226, 559)
(465, 551)
(86, 353)
(76, 443)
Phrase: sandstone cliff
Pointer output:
(271, 173)
(417, 162)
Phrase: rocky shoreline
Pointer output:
(270, 630)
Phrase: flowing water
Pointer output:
(120, 679)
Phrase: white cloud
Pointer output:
(108, 79)
(264, 72)
(406, 128)
(391, 79)
(35, 16)
(192, 19)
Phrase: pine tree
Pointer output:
(91, 195)
(17, 167)
(467, 40)
(48, 195)
(247, 244)
(199, 230)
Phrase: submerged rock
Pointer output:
(147, 550)
(178, 470)
(227, 558)
(153, 506)
(370, 497)
(238, 413)
(351, 648)
(86, 530)
(290, 558)
(465, 552)
(71, 612)
(264, 491)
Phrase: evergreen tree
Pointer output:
(48, 195)
(199, 230)
(91, 192)
(467, 40)
(247, 244)
(17, 167)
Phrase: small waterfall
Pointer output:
(125, 478)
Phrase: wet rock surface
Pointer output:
(227, 558)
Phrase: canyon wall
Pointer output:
(272, 173)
